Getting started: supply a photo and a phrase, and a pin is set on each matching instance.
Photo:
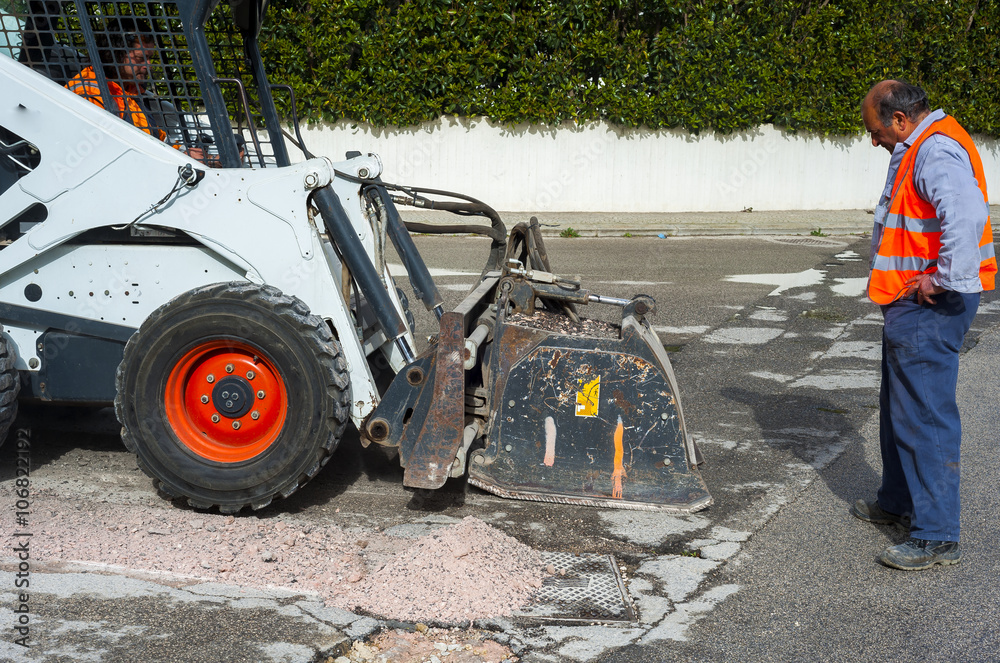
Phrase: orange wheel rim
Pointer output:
(225, 401)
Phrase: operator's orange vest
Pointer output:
(85, 85)
(911, 238)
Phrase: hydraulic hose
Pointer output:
(353, 253)
(420, 277)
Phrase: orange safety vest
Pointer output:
(911, 237)
(85, 85)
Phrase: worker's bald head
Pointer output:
(894, 96)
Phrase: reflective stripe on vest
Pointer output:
(911, 235)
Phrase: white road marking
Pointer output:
(848, 256)
(637, 283)
(769, 315)
(850, 287)
(860, 349)
(690, 329)
(832, 380)
(784, 281)
(768, 375)
(744, 335)
(396, 269)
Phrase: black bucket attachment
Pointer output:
(586, 420)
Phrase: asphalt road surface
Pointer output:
(776, 354)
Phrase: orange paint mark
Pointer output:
(550, 442)
(619, 458)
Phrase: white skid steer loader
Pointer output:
(235, 307)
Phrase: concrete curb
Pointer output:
(681, 224)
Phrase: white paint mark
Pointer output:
(859, 349)
(589, 643)
(634, 283)
(678, 576)
(396, 269)
(805, 296)
(808, 432)
(769, 315)
(675, 625)
(768, 375)
(989, 308)
(725, 444)
(550, 441)
(844, 379)
(744, 335)
(726, 534)
(832, 332)
(690, 329)
(720, 551)
(652, 608)
(784, 281)
(651, 528)
(848, 256)
(850, 287)
(791, 335)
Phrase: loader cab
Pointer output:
(204, 86)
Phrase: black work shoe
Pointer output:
(918, 554)
(871, 512)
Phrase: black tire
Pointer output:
(255, 338)
(10, 386)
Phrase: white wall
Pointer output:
(599, 168)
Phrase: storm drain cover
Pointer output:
(586, 587)
(806, 241)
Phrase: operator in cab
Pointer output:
(124, 57)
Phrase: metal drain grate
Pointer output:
(586, 588)
(806, 241)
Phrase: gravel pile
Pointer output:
(459, 573)
(455, 574)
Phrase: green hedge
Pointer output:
(696, 64)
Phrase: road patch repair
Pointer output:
(439, 586)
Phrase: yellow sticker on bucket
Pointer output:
(588, 398)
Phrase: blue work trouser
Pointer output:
(921, 433)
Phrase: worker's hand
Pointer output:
(924, 287)
(196, 153)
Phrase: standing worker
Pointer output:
(932, 256)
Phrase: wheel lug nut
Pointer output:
(255, 415)
(236, 425)
(261, 394)
(210, 379)
(215, 418)
(229, 368)
(204, 398)
(251, 375)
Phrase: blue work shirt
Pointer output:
(943, 176)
